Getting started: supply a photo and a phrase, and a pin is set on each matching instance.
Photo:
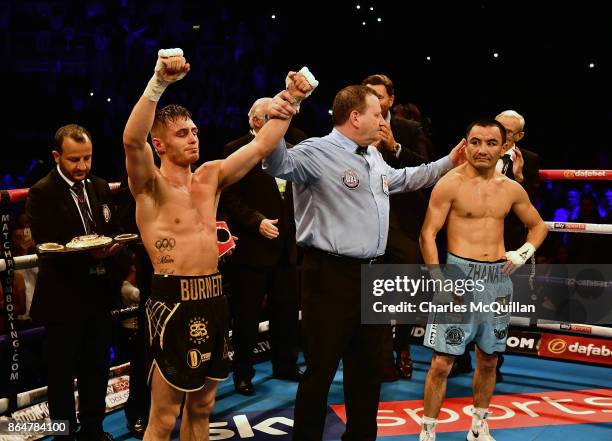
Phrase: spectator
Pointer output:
(569, 212)
(605, 206)
(587, 248)
(22, 244)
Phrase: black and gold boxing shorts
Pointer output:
(187, 330)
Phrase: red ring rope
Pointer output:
(578, 175)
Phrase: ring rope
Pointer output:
(20, 194)
(31, 260)
(577, 227)
(599, 331)
(576, 175)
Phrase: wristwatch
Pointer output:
(397, 148)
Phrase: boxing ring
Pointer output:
(549, 362)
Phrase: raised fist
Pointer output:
(171, 65)
(300, 84)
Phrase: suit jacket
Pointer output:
(246, 203)
(407, 210)
(410, 134)
(515, 233)
(67, 285)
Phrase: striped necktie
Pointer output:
(79, 192)
(507, 167)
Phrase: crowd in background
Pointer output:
(86, 61)
(233, 63)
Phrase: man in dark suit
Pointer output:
(403, 144)
(259, 209)
(521, 165)
(73, 295)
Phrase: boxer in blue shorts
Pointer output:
(472, 201)
(487, 329)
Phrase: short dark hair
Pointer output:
(409, 111)
(348, 99)
(378, 79)
(488, 122)
(74, 131)
(171, 112)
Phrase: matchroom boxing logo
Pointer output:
(570, 347)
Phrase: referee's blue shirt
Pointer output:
(341, 198)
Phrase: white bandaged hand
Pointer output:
(522, 255)
(311, 80)
(309, 77)
(158, 82)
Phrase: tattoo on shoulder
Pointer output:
(166, 271)
(165, 259)
(165, 244)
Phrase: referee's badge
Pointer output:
(106, 212)
(385, 184)
(350, 178)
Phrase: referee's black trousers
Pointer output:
(332, 331)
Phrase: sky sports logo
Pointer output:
(400, 418)
(577, 328)
(570, 226)
(547, 408)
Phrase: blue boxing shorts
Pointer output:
(488, 329)
(188, 330)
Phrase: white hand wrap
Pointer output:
(157, 84)
(311, 80)
(520, 256)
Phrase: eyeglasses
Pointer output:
(510, 133)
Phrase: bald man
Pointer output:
(259, 210)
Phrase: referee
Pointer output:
(341, 198)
